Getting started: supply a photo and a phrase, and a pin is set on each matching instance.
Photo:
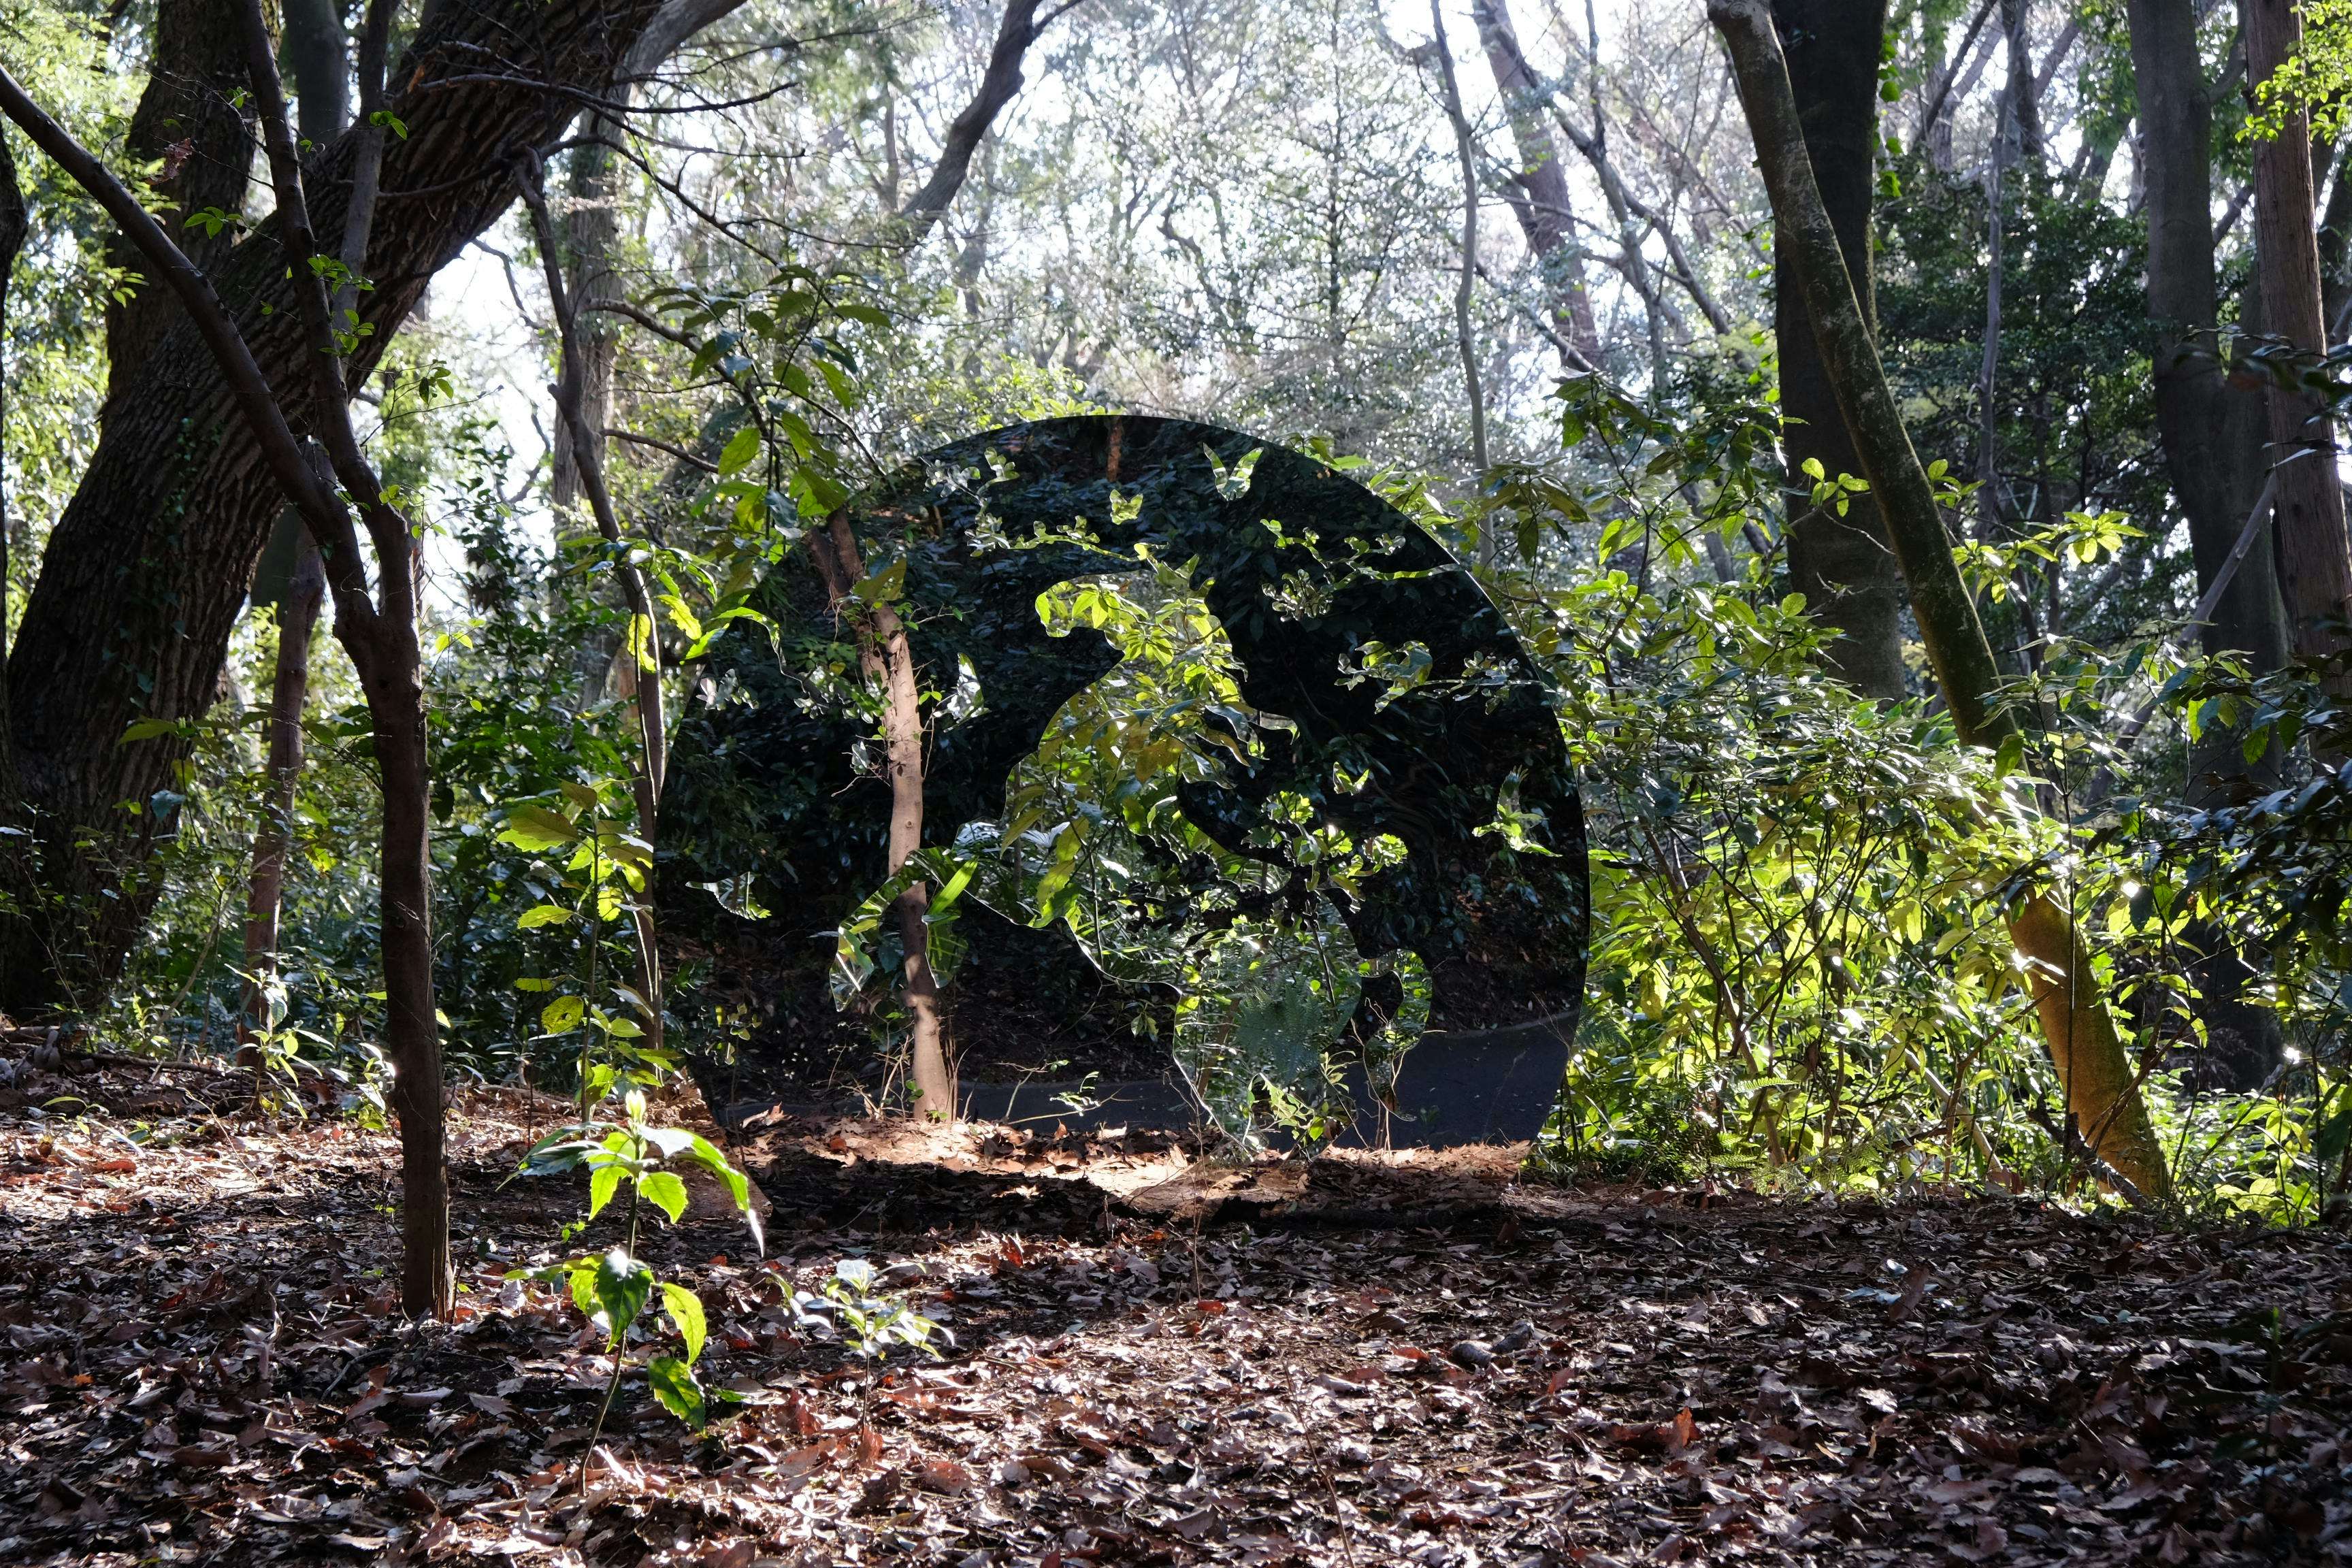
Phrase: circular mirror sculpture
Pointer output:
(1241, 800)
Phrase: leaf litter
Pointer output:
(1155, 1361)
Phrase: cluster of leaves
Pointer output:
(614, 1288)
(1799, 966)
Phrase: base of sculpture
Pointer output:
(1497, 1086)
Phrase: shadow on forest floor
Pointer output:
(1344, 1363)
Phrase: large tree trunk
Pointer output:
(2103, 1099)
(2315, 559)
(1842, 564)
(147, 569)
(2212, 432)
(192, 118)
(1542, 202)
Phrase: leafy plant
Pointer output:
(614, 1288)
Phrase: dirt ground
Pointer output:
(1155, 1361)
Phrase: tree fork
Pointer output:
(2102, 1090)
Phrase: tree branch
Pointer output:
(1001, 80)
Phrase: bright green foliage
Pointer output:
(1095, 837)
(613, 1288)
(2313, 82)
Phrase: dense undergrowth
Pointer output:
(1799, 977)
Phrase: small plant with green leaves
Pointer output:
(870, 1321)
(614, 1288)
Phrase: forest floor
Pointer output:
(1347, 1362)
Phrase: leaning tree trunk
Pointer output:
(1842, 564)
(2103, 1098)
(2315, 561)
(147, 570)
(1541, 203)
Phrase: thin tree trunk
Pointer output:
(381, 635)
(14, 222)
(1015, 31)
(1465, 341)
(298, 618)
(2102, 1091)
(314, 44)
(2315, 557)
(641, 650)
(1840, 564)
(887, 659)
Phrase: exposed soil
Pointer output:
(1359, 1361)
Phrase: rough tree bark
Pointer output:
(378, 628)
(2315, 557)
(1541, 205)
(188, 117)
(2212, 431)
(1842, 564)
(2103, 1098)
(147, 569)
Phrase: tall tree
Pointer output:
(1840, 562)
(2315, 557)
(314, 46)
(2212, 430)
(2103, 1098)
(147, 569)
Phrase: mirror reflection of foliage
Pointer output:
(1264, 975)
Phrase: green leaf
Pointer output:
(664, 1191)
(563, 1015)
(673, 1383)
(742, 448)
(535, 827)
(584, 1286)
(622, 1286)
(601, 1188)
(684, 1310)
(542, 915)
